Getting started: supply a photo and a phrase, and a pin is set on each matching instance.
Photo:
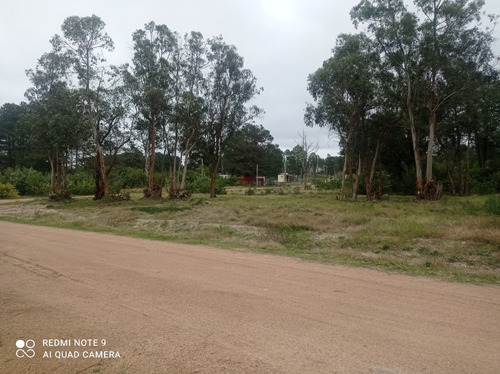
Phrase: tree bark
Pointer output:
(430, 147)
(154, 190)
(414, 138)
(213, 179)
(369, 184)
(355, 185)
(101, 179)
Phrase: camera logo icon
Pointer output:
(25, 348)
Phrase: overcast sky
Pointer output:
(282, 42)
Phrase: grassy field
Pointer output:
(454, 239)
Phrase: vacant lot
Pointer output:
(455, 238)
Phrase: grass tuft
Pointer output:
(455, 239)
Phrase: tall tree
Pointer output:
(395, 29)
(435, 53)
(252, 146)
(451, 37)
(150, 86)
(192, 109)
(86, 41)
(343, 88)
(54, 116)
(230, 87)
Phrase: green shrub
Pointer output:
(323, 183)
(250, 191)
(484, 181)
(129, 177)
(8, 191)
(492, 205)
(27, 181)
(197, 182)
(81, 183)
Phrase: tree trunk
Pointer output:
(52, 175)
(101, 180)
(449, 173)
(154, 190)
(355, 185)
(467, 168)
(344, 172)
(173, 182)
(184, 171)
(213, 178)
(414, 138)
(430, 148)
(369, 184)
(347, 163)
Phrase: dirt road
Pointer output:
(144, 306)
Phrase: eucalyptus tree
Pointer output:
(229, 88)
(150, 86)
(343, 89)
(86, 41)
(469, 123)
(192, 113)
(114, 122)
(428, 50)
(452, 42)
(54, 117)
(395, 29)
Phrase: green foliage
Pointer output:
(251, 146)
(81, 183)
(481, 205)
(198, 182)
(129, 177)
(492, 205)
(250, 191)
(323, 183)
(27, 181)
(8, 191)
(485, 181)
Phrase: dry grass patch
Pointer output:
(453, 238)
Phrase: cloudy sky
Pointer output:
(282, 42)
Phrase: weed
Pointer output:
(492, 205)
(250, 191)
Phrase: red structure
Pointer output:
(260, 181)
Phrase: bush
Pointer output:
(81, 183)
(492, 205)
(129, 177)
(323, 183)
(8, 191)
(28, 182)
(484, 181)
(250, 191)
(197, 182)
